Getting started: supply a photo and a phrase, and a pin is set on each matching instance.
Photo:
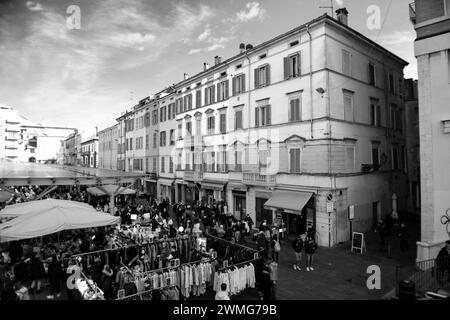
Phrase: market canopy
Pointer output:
(49, 216)
(288, 200)
(23, 173)
(110, 190)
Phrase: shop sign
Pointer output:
(330, 207)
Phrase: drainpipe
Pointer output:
(310, 79)
(249, 95)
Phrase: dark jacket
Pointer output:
(310, 246)
(297, 244)
(54, 272)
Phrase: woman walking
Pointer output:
(276, 247)
(55, 273)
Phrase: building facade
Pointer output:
(108, 143)
(412, 145)
(431, 20)
(89, 152)
(305, 128)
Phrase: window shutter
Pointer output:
(227, 84)
(267, 75)
(286, 68)
(299, 64)
(256, 78)
(242, 83)
(233, 86)
(212, 95)
(268, 119)
(291, 160)
(256, 117)
(218, 92)
(378, 109)
(206, 94)
(198, 98)
(292, 110)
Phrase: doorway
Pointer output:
(375, 214)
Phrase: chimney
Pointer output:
(249, 47)
(242, 47)
(342, 16)
(205, 66)
(217, 60)
(186, 76)
(96, 131)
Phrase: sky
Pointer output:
(55, 73)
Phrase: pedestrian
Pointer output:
(297, 244)
(106, 282)
(222, 294)
(276, 247)
(54, 274)
(273, 267)
(381, 228)
(37, 273)
(310, 249)
(403, 235)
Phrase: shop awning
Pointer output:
(288, 200)
(191, 184)
(215, 185)
(237, 186)
(166, 182)
(150, 180)
(179, 181)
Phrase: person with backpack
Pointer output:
(276, 247)
(298, 248)
(310, 249)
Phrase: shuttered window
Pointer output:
(198, 98)
(238, 120)
(294, 109)
(211, 123)
(292, 66)
(263, 116)
(346, 65)
(238, 84)
(223, 123)
(262, 76)
(348, 106)
(222, 90)
(294, 160)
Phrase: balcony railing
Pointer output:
(193, 175)
(258, 179)
(412, 12)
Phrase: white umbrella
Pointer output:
(51, 216)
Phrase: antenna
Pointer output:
(329, 7)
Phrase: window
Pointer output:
(223, 123)
(146, 142)
(198, 126)
(162, 139)
(294, 160)
(350, 158)
(222, 160)
(238, 84)
(346, 63)
(209, 95)
(198, 98)
(391, 83)
(294, 43)
(222, 90)
(154, 164)
(395, 158)
(188, 128)
(211, 161)
(170, 164)
(131, 143)
(170, 113)
(376, 155)
(375, 113)
(211, 124)
(262, 116)
(348, 106)
(147, 119)
(238, 160)
(188, 102)
(179, 103)
(262, 76)
(172, 137)
(292, 66)
(263, 155)
(155, 117)
(294, 109)
(264, 55)
(372, 75)
(163, 162)
(154, 140)
(238, 119)
(180, 131)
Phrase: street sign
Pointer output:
(358, 242)
(351, 212)
(330, 207)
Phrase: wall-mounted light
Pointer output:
(320, 90)
(446, 126)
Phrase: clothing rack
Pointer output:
(181, 265)
(237, 264)
(236, 244)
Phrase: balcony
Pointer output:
(193, 141)
(193, 175)
(412, 12)
(257, 179)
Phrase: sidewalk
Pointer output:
(339, 274)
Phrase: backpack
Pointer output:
(277, 246)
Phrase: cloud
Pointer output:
(212, 42)
(205, 34)
(397, 38)
(340, 2)
(252, 10)
(34, 6)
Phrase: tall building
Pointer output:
(431, 19)
(307, 128)
(89, 152)
(412, 145)
(108, 140)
